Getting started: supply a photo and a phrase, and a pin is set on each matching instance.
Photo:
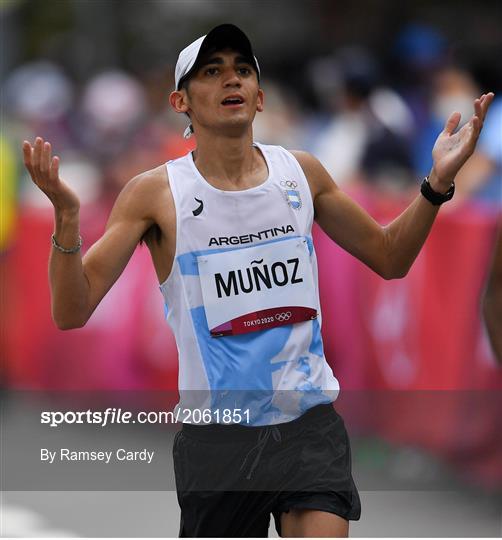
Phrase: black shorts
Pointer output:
(229, 479)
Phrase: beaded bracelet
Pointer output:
(64, 250)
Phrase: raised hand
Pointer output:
(44, 171)
(452, 150)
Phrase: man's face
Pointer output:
(223, 93)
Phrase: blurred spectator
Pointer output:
(367, 136)
(279, 122)
(452, 89)
(483, 172)
(159, 139)
(164, 128)
(38, 92)
(113, 107)
(38, 98)
(152, 139)
(386, 161)
(419, 51)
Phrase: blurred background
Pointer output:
(366, 87)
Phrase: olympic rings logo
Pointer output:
(284, 316)
(291, 184)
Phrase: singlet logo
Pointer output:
(199, 208)
(292, 194)
(253, 278)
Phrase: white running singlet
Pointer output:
(242, 297)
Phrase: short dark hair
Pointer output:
(185, 83)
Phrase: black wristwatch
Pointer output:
(433, 196)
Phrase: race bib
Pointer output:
(259, 287)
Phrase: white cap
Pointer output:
(221, 37)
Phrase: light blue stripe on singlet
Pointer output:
(312, 395)
(188, 261)
(316, 343)
(310, 244)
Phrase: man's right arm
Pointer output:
(78, 284)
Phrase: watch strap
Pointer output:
(433, 196)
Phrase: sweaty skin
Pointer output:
(227, 160)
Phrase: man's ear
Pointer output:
(260, 101)
(179, 101)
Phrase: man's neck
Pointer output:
(230, 163)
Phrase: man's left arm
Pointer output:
(391, 250)
(492, 300)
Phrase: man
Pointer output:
(492, 300)
(487, 168)
(229, 231)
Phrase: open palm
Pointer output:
(452, 149)
(44, 171)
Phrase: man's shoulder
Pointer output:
(310, 164)
(151, 183)
(302, 156)
(155, 178)
(144, 193)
